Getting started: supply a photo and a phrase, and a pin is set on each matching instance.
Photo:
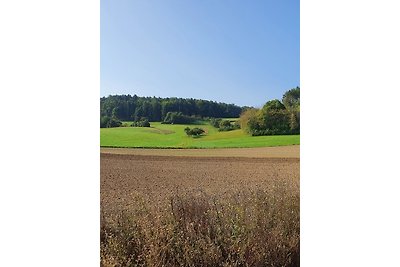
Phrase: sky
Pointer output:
(241, 52)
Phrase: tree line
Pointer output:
(127, 108)
(275, 117)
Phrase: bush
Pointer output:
(178, 118)
(109, 122)
(277, 120)
(270, 121)
(226, 125)
(229, 128)
(195, 132)
(249, 120)
(271, 132)
(215, 122)
(274, 118)
(143, 122)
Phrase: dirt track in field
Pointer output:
(155, 178)
(258, 152)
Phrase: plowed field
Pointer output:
(257, 152)
(157, 177)
(200, 207)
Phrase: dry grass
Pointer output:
(253, 224)
(249, 228)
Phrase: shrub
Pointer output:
(109, 122)
(215, 122)
(249, 120)
(187, 130)
(195, 132)
(143, 122)
(276, 120)
(103, 121)
(275, 117)
(178, 118)
(270, 121)
(226, 125)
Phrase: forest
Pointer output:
(128, 108)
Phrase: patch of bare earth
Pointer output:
(258, 152)
(158, 177)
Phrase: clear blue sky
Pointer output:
(241, 52)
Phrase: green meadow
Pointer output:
(173, 136)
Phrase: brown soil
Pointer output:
(258, 152)
(125, 176)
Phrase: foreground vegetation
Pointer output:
(174, 136)
(242, 228)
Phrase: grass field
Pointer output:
(173, 136)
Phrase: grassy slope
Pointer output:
(173, 136)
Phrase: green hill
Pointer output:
(173, 136)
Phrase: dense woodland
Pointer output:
(274, 118)
(128, 108)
